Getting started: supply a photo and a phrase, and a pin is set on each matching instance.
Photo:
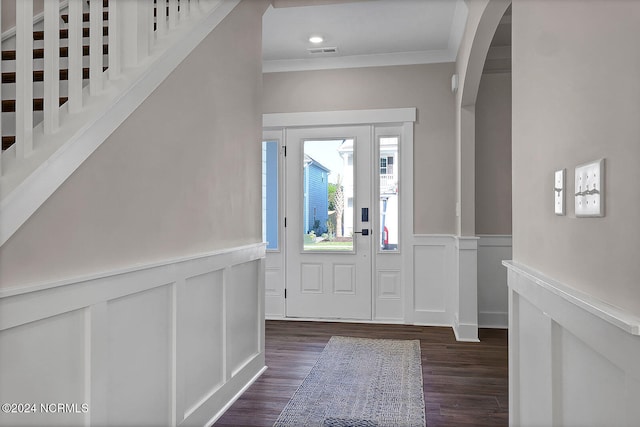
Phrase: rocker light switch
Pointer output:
(559, 192)
(590, 189)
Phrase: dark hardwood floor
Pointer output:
(465, 384)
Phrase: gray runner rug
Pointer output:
(360, 382)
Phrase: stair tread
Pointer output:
(9, 105)
(85, 17)
(64, 33)
(10, 55)
(8, 141)
(38, 75)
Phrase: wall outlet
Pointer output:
(559, 185)
(589, 189)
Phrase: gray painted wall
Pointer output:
(493, 154)
(9, 12)
(427, 87)
(180, 177)
(576, 98)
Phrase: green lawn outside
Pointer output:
(329, 246)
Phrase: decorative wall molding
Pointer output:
(465, 321)
(433, 279)
(572, 358)
(180, 338)
(339, 118)
(359, 61)
(493, 302)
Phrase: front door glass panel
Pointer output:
(328, 195)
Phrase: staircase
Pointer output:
(72, 73)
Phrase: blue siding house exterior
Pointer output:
(316, 196)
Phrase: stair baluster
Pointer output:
(173, 14)
(161, 18)
(96, 24)
(184, 9)
(51, 66)
(75, 56)
(24, 78)
(115, 50)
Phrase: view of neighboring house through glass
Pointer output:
(327, 187)
(388, 191)
(270, 194)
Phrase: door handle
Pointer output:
(364, 232)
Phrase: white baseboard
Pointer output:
(465, 332)
(180, 339)
(493, 320)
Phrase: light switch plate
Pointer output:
(589, 189)
(559, 186)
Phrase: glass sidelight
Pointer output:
(328, 193)
(270, 196)
(388, 192)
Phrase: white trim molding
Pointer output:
(493, 301)
(465, 322)
(274, 121)
(181, 338)
(573, 359)
(432, 280)
(360, 61)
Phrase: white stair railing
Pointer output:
(133, 28)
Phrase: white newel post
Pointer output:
(75, 56)
(466, 321)
(51, 66)
(134, 27)
(24, 78)
(115, 47)
(95, 46)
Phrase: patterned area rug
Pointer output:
(359, 382)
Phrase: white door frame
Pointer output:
(403, 117)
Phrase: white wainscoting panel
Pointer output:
(433, 279)
(573, 359)
(139, 350)
(172, 343)
(28, 377)
(493, 304)
(201, 333)
(465, 321)
(243, 334)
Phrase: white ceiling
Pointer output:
(366, 33)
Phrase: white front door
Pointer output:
(329, 211)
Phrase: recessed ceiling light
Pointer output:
(316, 39)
